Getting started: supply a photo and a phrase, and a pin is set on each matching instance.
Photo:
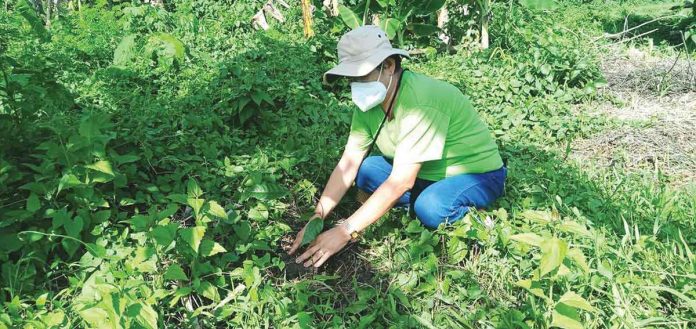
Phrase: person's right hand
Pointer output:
(300, 236)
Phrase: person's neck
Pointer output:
(391, 93)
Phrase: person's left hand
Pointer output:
(324, 246)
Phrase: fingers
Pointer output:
(323, 259)
(307, 254)
(313, 260)
(295, 245)
(297, 242)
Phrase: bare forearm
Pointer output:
(378, 204)
(339, 182)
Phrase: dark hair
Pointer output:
(397, 61)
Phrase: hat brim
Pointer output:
(361, 67)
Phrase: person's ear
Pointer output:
(390, 65)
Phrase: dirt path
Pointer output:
(653, 100)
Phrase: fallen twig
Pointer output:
(623, 33)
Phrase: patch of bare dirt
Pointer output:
(658, 96)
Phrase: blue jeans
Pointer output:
(444, 201)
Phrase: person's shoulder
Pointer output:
(427, 91)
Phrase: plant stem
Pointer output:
(367, 10)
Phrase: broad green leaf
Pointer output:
(349, 17)
(537, 216)
(147, 317)
(232, 217)
(96, 250)
(390, 26)
(553, 252)
(74, 227)
(144, 261)
(27, 11)
(193, 190)
(243, 230)
(70, 246)
(178, 198)
(423, 30)
(68, 181)
(457, 250)
(41, 300)
(428, 6)
(565, 317)
(572, 299)
(264, 191)
(545, 69)
(126, 158)
(95, 315)
(532, 286)
(181, 292)
(208, 290)
(164, 235)
(259, 213)
(216, 210)
(102, 166)
(312, 230)
(196, 204)
(140, 222)
(54, 319)
(33, 203)
(28, 236)
(604, 268)
(528, 238)
(579, 259)
(175, 272)
(193, 236)
(538, 4)
(210, 247)
(575, 228)
(125, 51)
(259, 96)
(168, 45)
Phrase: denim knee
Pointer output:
(372, 174)
(431, 212)
(426, 208)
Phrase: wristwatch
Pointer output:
(351, 230)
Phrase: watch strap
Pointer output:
(354, 234)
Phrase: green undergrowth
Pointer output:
(154, 157)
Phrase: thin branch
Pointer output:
(621, 34)
(638, 36)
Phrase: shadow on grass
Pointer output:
(669, 30)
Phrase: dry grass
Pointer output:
(659, 94)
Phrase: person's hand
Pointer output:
(300, 235)
(324, 246)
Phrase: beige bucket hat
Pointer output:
(361, 51)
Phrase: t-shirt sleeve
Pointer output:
(359, 137)
(422, 136)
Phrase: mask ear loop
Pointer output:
(381, 66)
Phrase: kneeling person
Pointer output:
(438, 157)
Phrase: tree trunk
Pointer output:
(49, 6)
(331, 6)
(484, 11)
(484, 32)
(442, 19)
(307, 19)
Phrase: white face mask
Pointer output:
(367, 95)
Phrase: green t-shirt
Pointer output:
(433, 124)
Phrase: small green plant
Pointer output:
(396, 17)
